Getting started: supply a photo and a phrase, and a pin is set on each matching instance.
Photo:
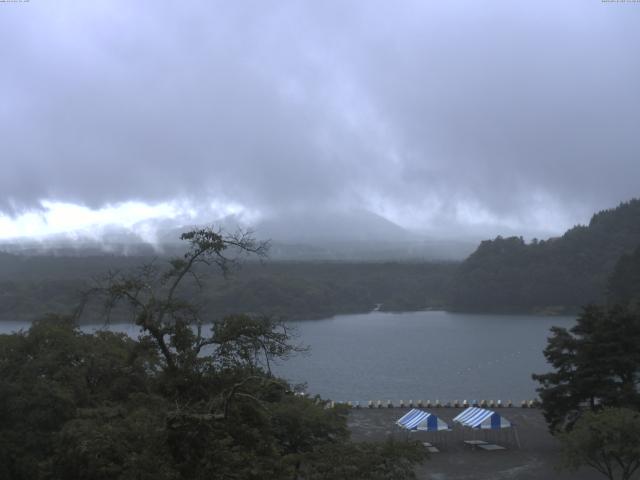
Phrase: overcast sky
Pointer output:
(438, 115)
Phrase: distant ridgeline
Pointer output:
(588, 264)
(558, 275)
(32, 286)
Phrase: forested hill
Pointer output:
(31, 286)
(552, 276)
(624, 283)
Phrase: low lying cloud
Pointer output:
(441, 116)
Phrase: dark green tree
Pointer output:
(387, 460)
(186, 400)
(624, 283)
(67, 395)
(608, 441)
(596, 363)
(555, 275)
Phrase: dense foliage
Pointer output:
(608, 441)
(32, 286)
(105, 406)
(596, 363)
(503, 275)
(624, 283)
(556, 275)
(180, 402)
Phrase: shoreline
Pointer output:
(312, 317)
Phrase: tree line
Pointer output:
(188, 399)
(549, 276)
(552, 276)
(591, 398)
(33, 286)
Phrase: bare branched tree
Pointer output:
(206, 373)
(156, 298)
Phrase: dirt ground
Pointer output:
(536, 458)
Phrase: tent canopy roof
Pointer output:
(474, 417)
(417, 419)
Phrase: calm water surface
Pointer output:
(423, 355)
(416, 355)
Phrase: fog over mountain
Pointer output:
(430, 120)
(311, 235)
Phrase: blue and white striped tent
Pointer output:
(420, 420)
(474, 417)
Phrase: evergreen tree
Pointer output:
(624, 283)
(596, 363)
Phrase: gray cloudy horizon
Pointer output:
(435, 115)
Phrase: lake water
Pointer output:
(416, 355)
(423, 355)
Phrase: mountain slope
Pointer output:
(624, 284)
(319, 228)
(559, 274)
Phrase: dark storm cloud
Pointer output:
(449, 112)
